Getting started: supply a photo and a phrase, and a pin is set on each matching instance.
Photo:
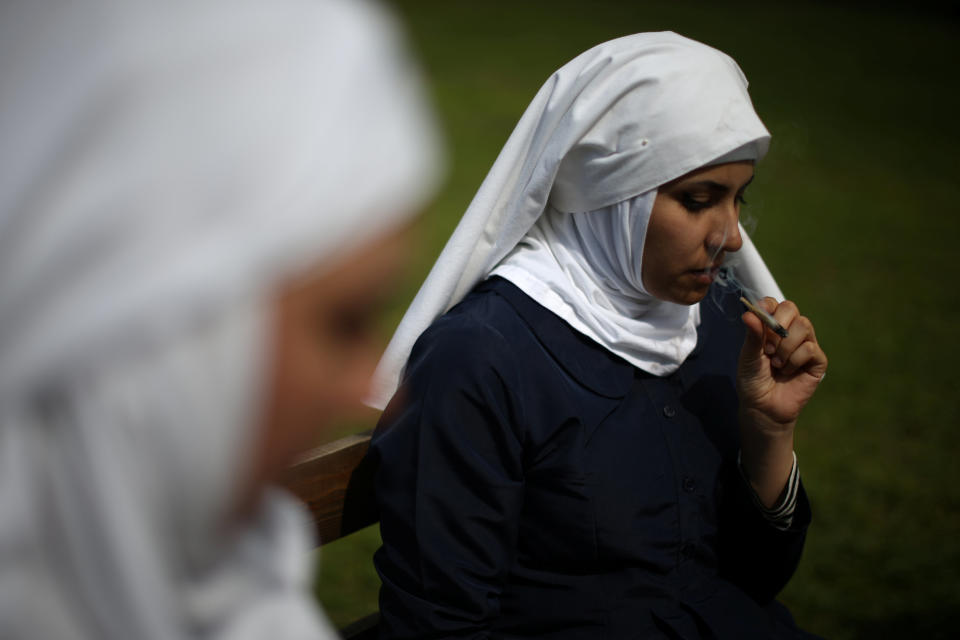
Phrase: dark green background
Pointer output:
(856, 210)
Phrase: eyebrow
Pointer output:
(713, 185)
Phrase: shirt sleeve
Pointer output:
(449, 486)
(758, 554)
(779, 515)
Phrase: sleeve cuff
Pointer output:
(779, 515)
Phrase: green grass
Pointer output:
(857, 212)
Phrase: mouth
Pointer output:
(713, 267)
(706, 275)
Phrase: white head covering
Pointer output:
(616, 122)
(585, 267)
(165, 167)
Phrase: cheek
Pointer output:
(665, 254)
(673, 248)
(329, 379)
(305, 389)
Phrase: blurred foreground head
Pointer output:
(181, 185)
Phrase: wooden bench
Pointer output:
(336, 482)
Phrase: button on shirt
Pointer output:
(531, 484)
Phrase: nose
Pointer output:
(734, 239)
(726, 234)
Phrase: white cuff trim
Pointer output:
(779, 515)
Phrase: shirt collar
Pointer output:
(589, 363)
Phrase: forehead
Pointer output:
(732, 175)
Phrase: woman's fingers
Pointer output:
(783, 313)
(799, 350)
(777, 376)
(806, 357)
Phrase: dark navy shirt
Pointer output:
(533, 485)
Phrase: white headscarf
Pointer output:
(585, 267)
(615, 122)
(165, 167)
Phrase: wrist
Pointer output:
(759, 422)
(780, 514)
(767, 458)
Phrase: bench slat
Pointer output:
(336, 483)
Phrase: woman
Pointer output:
(562, 459)
(200, 205)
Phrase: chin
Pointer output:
(690, 297)
(685, 291)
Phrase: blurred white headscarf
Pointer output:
(613, 124)
(165, 167)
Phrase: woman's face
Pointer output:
(324, 349)
(692, 224)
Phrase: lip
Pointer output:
(706, 275)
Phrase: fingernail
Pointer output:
(777, 362)
(769, 348)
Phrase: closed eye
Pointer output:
(694, 203)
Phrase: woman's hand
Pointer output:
(775, 379)
(777, 376)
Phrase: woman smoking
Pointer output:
(579, 448)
